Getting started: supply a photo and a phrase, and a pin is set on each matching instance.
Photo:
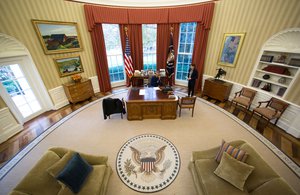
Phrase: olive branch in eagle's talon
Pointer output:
(129, 168)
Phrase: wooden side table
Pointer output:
(217, 89)
(77, 92)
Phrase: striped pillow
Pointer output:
(232, 151)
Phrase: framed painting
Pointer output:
(67, 66)
(58, 37)
(230, 49)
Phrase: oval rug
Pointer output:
(148, 163)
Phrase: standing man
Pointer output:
(193, 75)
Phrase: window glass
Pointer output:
(149, 46)
(114, 52)
(185, 50)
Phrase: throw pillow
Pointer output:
(75, 173)
(233, 171)
(234, 152)
(56, 168)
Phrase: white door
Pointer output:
(18, 91)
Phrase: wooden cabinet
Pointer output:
(217, 89)
(80, 91)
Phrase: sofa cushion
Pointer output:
(234, 152)
(17, 193)
(38, 181)
(91, 159)
(211, 183)
(57, 167)
(75, 173)
(233, 171)
(262, 172)
(277, 186)
(242, 100)
(93, 183)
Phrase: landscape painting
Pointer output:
(67, 66)
(230, 49)
(58, 37)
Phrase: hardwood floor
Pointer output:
(33, 128)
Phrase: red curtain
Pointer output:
(122, 35)
(100, 58)
(95, 15)
(148, 16)
(200, 44)
(163, 43)
(119, 15)
(136, 45)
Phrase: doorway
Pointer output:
(21, 87)
(19, 90)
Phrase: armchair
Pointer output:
(273, 110)
(187, 103)
(244, 97)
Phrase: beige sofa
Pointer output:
(262, 181)
(41, 178)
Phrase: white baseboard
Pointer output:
(58, 97)
(289, 121)
(8, 125)
(95, 84)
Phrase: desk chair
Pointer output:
(113, 106)
(244, 97)
(273, 110)
(187, 103)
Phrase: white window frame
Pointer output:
(179, 81)
(120, 82)
(151, 51)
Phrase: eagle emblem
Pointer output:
(148, 163)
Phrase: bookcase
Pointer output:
(275, 72)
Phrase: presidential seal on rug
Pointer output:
(148, 163)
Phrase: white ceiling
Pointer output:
(142, 3)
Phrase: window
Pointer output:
(18, 88)
(114, 52)
(149, 46)
(185, 50)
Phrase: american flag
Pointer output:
(127, 59)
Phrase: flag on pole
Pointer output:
(127, 58)
(171, 56)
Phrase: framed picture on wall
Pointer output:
(230, 49)
(58, 37)
(67, 66)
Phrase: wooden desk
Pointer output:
(217, 89)
(154, 104)
(138, 81)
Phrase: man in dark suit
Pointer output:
(192, 76)
(155, 80)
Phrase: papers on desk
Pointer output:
(142, 92)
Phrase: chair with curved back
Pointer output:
(244, 97)
(187, 103)
(273, 110)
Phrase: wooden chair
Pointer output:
(273, 110)
(244, 97)
(187, 103)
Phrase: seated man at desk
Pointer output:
(155, 80)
